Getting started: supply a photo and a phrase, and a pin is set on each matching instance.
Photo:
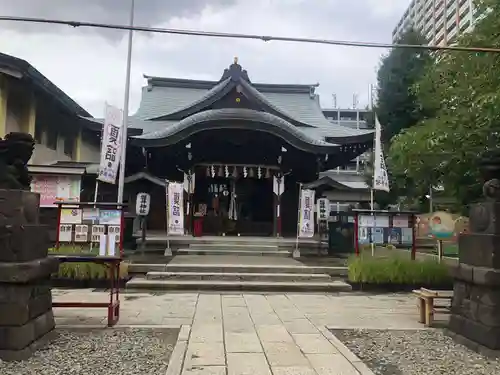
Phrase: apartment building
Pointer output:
(439, 21)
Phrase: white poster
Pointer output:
(380, 176)
(306, 215)
(65, 233)
(175, 208)
(366, 221)
(81, 233)
(111, 146)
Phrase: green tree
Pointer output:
(463, 91)
(398, 105)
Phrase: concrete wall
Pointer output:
(44, 155)
(90, 148)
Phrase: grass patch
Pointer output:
(397, 270)
(83, 271)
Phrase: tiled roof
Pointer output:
(168, 104)
(225, 118)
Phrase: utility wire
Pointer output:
(265, 38)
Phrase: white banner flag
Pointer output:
(175, 208)
(306, 219)
(380, 176)
(111, 146)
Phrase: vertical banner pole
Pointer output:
(96, 190)
(121, 175)
(371, 207)
(356, 234)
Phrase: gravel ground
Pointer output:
(424, 352)
(103, 352)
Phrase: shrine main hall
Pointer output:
(243, 148)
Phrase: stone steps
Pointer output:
(143, 268)
(227, 250)
(238, 276)
(234, 245)
(222, 285)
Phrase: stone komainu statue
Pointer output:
(16, 150)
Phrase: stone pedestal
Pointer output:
(25, 299)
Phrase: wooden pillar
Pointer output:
(4, 93)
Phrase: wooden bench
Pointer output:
(426, 305)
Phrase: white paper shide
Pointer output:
(111, 147)
(380, 176)
(306, 219)
(175, 208)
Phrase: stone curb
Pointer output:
(177, 358)
(350, 356)
(118, 326)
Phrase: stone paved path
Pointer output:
(247, 334)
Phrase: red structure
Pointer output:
(82, 219)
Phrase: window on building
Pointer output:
(69, 145)
(52, 136)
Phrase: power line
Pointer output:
(265, 38)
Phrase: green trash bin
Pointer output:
(129, 241)
(340, 237)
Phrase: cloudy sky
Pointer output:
(89, 64)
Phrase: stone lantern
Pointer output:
(475, 318)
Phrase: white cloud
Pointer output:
(90, 66)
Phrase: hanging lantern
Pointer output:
(268, 173)
(259, 172)
(235, 172)
(221, 172)
(245, 172)
(251, 173)
(212, 171)
(226, 171)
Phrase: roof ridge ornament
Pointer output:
(235, 72)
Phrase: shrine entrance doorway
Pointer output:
(234, 206)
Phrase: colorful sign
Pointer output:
(110, 217)
(70, 216)
(378, 236)
(441, 225)
(53, 188)
(175, 208)
(111, 148)
(306, 222)
(91, 214)
(364, 235)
